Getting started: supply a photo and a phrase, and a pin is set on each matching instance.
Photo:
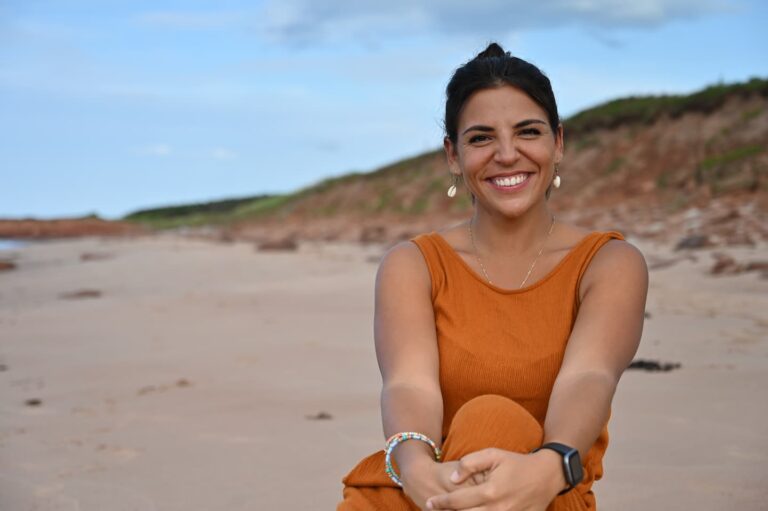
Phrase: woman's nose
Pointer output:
(506, 152)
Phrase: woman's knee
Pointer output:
(499, 417)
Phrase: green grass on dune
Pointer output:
(213, 207)
(204, 213)
(646, 109)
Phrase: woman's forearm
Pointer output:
(579, 408)
(408, 407)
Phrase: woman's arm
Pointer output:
(602, 343)
(406, 349)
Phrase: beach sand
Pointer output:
(161, 373)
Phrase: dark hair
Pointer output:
(494, 67)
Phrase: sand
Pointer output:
(188, 375)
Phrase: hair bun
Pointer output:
(493, 50)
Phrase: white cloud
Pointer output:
(306, 21)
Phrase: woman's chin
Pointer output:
(508, 211)
(509, 207)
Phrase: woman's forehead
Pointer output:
(504, 104)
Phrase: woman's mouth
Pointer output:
(509, 183)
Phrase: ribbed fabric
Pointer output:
(492, 341)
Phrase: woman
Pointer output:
(500, 340)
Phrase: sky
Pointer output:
(107, 106)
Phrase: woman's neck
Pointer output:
(511, 236)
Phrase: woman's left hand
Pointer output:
(513, 482)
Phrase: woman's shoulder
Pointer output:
(617, 262)
(569, 236)
(612, 251)
(402, 253)
(618, 254)
(404, 257)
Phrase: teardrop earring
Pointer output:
(452, 188)
(556, 180)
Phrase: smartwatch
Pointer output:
(571, 463)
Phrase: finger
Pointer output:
(480, 477)
(478, 461)
(459, 499)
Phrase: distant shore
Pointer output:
(65, 228)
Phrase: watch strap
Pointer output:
(571, 463)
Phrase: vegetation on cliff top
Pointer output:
(197, 214)
(646, 109)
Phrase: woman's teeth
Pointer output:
(511, 180)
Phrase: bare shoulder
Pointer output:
(404, 254)
(403, 262)
(619, 264)
(619, 254)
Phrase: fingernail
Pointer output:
(455, 476)
(429, 504)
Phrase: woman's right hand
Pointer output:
(424, 478)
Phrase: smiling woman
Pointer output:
(496, 394)
(507, 129)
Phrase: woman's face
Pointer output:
(505, 150)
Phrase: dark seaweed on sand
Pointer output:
(653, 365)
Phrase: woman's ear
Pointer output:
(451, 157)
(559, 143)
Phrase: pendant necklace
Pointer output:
(480, 261)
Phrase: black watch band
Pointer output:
(571, 463)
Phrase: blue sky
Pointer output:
(109, 106)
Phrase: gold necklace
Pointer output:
(480, 261)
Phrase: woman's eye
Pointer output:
(478, 138)
(530, 132)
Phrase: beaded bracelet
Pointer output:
(401, 437)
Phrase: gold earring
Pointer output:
(452, 188)
(556, 180)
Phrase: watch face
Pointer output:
(574, 467)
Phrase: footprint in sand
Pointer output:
(149, 389)
(95, 256)
(320, 416)
(80, 294)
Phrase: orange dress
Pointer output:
(493, 341)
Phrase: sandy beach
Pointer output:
(164, 373)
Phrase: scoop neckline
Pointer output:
(494, 287)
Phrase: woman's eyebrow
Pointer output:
(527, 122)
(477, 127)
(521, 124)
